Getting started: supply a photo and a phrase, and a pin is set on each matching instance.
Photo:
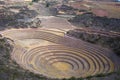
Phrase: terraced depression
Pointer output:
(53, 54)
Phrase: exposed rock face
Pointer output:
(36, 23)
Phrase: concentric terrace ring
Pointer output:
(65, 59)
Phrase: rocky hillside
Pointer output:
(102, 29)
(92, 21)
(104, 40)
(14, 16)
